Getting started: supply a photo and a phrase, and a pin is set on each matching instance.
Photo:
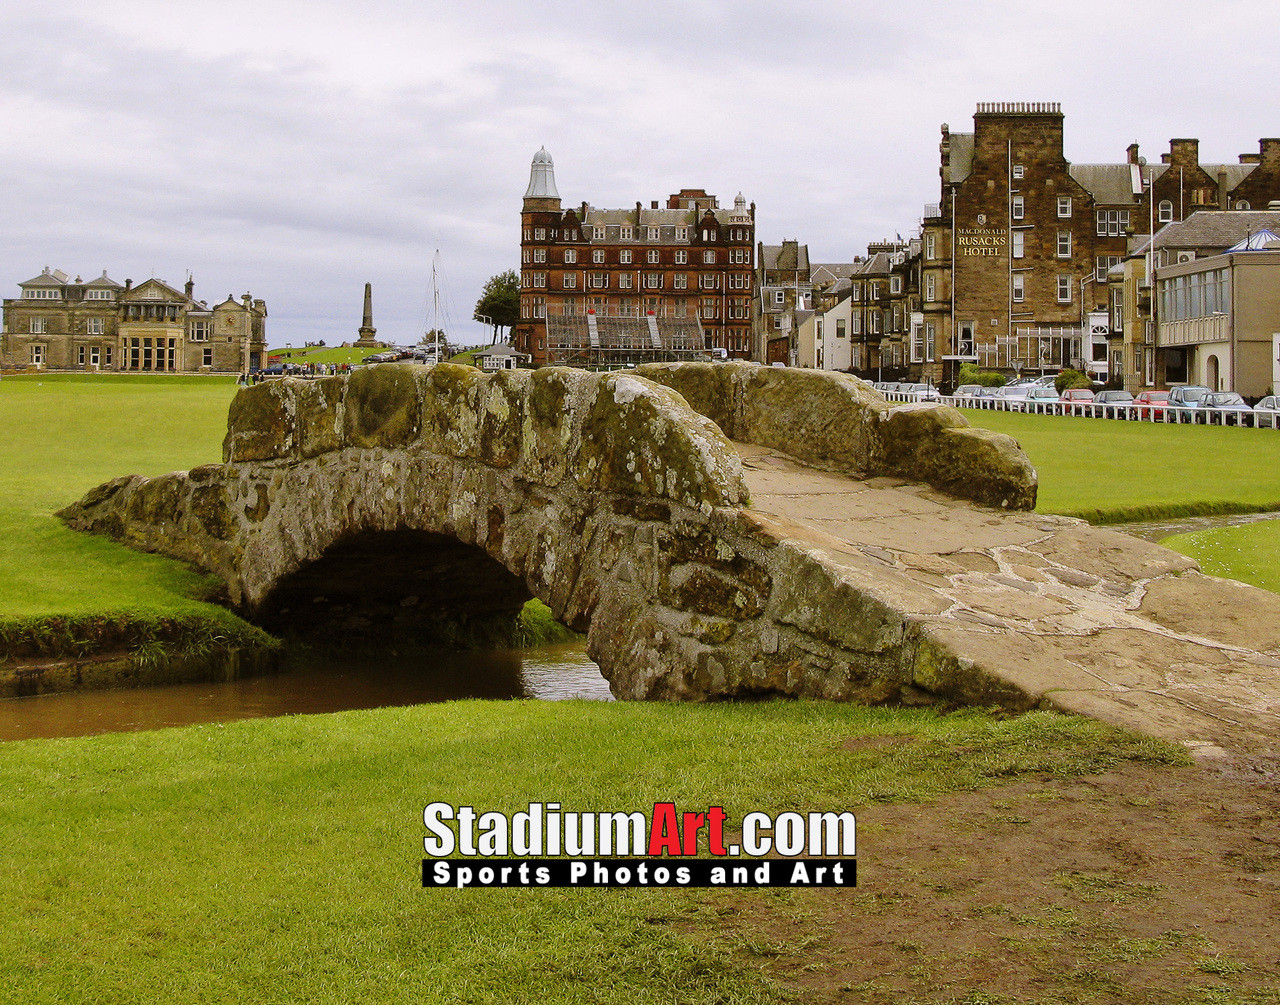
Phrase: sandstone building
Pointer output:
(603, 286)
(102, 326)
(1014, 262)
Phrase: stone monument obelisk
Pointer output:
(367, 331)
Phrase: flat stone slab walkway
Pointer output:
(1074, 617)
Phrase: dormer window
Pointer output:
(43, 293)
(99, 295)
(682, 233)
(653, 233)
(708, 234)
(624, 234)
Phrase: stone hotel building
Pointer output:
(611, 285)
(1015, 261)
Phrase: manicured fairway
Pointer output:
(62, 435)
(279, 861)
(1110, 471)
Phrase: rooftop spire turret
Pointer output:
(541, 193)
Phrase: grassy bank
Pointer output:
(62, 435)
(1111, 472)
(1249, 553)
(278, 860)
(69, 594)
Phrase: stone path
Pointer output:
(1078, 618)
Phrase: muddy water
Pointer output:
(314, 683)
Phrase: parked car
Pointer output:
(1151, 405)
(921, 392)
(1185, 401)
(1012, 396)
(1076, 400)
(1114, 404)
(987, 397)
(1041, 399)
(1227, 409)
(1267, 412)
(967, 391)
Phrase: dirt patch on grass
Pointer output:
(1145, 884)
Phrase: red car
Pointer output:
(1150, 405)
(1075, 400)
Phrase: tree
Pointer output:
(499, 303)
(1069, 379)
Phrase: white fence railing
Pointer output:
(1104, 410)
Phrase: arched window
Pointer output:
(1242, 204)
(1166, 211)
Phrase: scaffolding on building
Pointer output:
(608, 341)
(1034, 350)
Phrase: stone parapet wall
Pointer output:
(606, 432)
(839, 421)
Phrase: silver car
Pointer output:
(1266, 413)
(1227, 408)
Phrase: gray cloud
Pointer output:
(299, 150)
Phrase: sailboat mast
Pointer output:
(436, 324)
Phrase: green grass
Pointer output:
(1108, 471)
(1249, 553)
(278, 860)
(337, 355)
(62, 435)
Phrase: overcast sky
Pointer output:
(297, 150)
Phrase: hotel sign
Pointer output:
(981, 242)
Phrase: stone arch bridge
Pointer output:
(716, 529)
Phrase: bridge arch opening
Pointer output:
(399, 588)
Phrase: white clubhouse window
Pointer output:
(1064, 289)
(1064, 207)
(1064, 244)
(1019, 244)
(1018, 208)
